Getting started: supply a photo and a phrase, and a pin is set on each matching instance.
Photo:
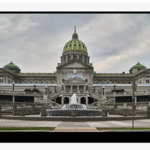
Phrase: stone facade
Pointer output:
(75, 58)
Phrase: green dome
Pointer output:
(138, 66)
(75, 44)
(13, 67)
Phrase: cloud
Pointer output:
(35, 42)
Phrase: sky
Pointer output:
(115, 42)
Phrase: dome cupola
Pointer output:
(136, 68)
(75, 44)
(13, 67)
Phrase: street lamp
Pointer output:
(13, 94)
(133, 99)
(114, 87)
(103, 89)
(13, 86)
(45, 90)
(34, 87)
(62, 86)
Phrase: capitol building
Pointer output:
(74, 74)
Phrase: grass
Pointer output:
(28, 128)
(125, 128)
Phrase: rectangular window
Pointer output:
(107, 82)
(147, 81)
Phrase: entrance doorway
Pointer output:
(66, 100)
(58, 100)
(90, 100)
(83, 100)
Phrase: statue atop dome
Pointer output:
(74, 29)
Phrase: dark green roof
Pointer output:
(138, 66)
(13, 67)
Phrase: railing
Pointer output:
(140, 106)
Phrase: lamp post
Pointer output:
(114, 87)
(13, 93)
(34, 87)
(103, 89)
(45, 90)
(133, 99)
(13, 86)
(62, 87)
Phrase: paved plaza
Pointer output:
(61, 124)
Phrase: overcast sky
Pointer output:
(115, 42)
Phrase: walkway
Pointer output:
(62, 124)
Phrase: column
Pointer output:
(84, 88)
(86, 101)
(77, 56)
(91, 79)
(69, 100)
(62, 102)
(13, 99)
(135, 99)
(77, 87)
(66, 58)
(86, 59)
(71, 56)
(78, 100)
(64, 88)
(82, 58)
(71, 87)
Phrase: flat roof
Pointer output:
(117, 85)
(28, 85)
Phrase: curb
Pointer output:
(24, 131)
(125, 131)
(70, 119)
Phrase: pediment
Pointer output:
(74, 81)
(75, 65)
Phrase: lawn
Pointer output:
(128, 128)
(28, 128)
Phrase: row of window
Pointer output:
(33, 82)
(147, 76)
(1, 75)
(113, 83)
